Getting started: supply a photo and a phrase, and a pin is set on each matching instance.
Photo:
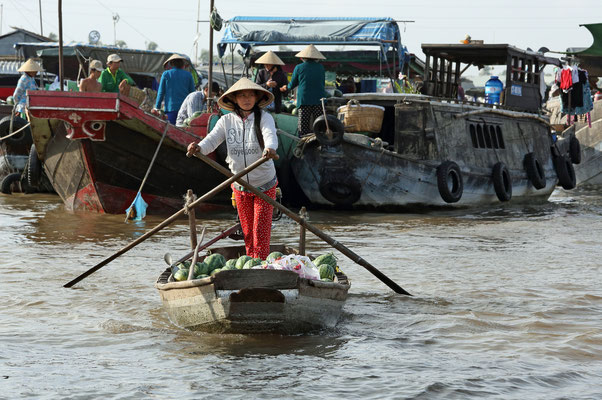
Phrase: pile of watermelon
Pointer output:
(214, 263)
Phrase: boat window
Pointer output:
(473, 136)
(500, 138)
(493, 136)
(480, 137)
(487, 137)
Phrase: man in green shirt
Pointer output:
(113, 79)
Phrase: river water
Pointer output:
(507, 305)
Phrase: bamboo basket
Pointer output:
(361, 117)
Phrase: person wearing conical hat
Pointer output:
(26, 82)
(249, 133)
(176, 83)
(271, 77)
(113, 79)
(91, 84)
(308, 77)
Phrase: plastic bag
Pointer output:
(302, 265)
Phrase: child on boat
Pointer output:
(250, 133)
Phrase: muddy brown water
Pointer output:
(507, 305)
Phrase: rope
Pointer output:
(15, 132)
(298, 151)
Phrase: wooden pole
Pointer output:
(41, 26)
(334, 243)
(210, 71)
(190, 198)
(167, 222)
(303, 216)
(61, 73)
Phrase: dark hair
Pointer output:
(214, 87)
(177, 63)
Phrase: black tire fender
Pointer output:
(340, 188)
(336, 127)
(449, 181)
(22, 137)
(565, 172)
(34, 167)
(502, 181)
(535, 171)
(8, 180)
(575, 150)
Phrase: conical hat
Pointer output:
(269, 58)
(227, 101)
(30, 66)
(175, 57)
(310, 52)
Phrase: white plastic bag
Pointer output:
(302, 265)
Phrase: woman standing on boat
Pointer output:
(176, 83)
(249, 133)
(271, 77)
(27, 82)
(309, 77)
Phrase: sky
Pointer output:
(173, 25)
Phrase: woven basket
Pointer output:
(137, 95)
(361, 117)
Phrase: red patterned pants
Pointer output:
(256, 221)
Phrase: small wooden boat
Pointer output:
(253, 300)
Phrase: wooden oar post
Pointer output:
(190, 198)
(303, 216)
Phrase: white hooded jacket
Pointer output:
(242, 144)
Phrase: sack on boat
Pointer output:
(361, 117)
(302, 265)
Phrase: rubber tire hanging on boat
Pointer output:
(22, 137)
(34, 167)
(340, 188)
(449, 173)
(565, 172)
(336, 127)
(535, 171)
(502, 181)
(8, 180)
(575, 150)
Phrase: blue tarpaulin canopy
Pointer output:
(264, 31)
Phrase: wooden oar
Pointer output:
(339, 246)
(168, 221)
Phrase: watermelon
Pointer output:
(187, 263)
(241, 261)
(196, 114)
(252, 263)
(295, 111)
(231, 263)
(215, 261)
(215, 271)
(326, 272)
(181, 275)
(201, 268)
(201, 276)
(327, 258)
(177, 267)
(326, 280)
(273, 256)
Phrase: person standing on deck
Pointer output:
(309, 77)
(91, 84)
(26, 82)
(249, 133)
(194, 102)
(113, 79)
(176, 83)
(271, 77)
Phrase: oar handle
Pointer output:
(169, 220)
(339, 246)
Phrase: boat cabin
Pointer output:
(445, 64)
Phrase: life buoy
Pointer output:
(339, 187)
(336, 127)
(449, 181)
(565, 172)
(34, 167)
(575, 150)
(23, 137)
(535, 171)
(502, 181)
(7, 182)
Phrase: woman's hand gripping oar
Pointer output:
(168, 221)
(340, 247)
